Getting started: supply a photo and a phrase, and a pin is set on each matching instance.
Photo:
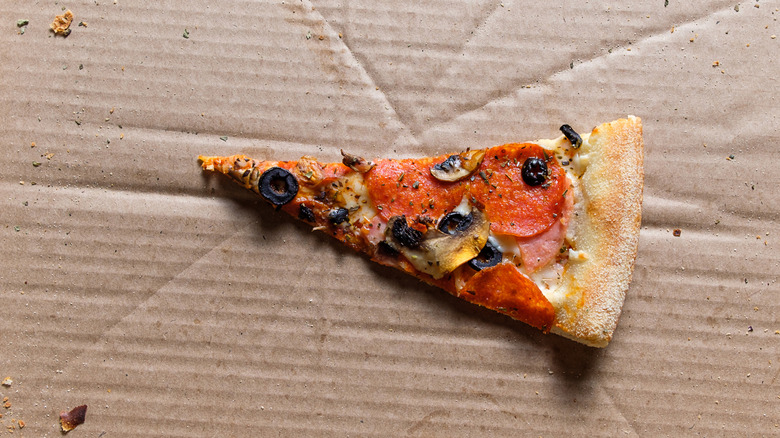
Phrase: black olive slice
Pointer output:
(489, 256)
(534, 171)
(338, 216)
(278, 186)
(571, 134)
(306, 214)
(406, 236)
(455, 222)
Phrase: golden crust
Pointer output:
(606, 230)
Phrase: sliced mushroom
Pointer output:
(457, 167)
(439, 253)
(358, 164)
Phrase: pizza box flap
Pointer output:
(172, 303)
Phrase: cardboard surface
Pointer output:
(174, 304)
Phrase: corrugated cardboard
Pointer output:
(174, 304)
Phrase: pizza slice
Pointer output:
(545, 232)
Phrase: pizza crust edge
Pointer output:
(606, 231)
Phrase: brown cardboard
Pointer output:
(174, 304)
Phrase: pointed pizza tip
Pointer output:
(522, 190)
(207, 162)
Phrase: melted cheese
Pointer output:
(548, 278)
(357, 200)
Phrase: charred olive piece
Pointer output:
(278, 186)
(534, 171)
(450, 164)
(406, 236)
(306, 214)
(489, 256)
(571, 134)
(385, 249)
(457, 167)
(455, 222)
(338, 216)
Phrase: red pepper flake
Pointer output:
(74, 418)
(677, 232)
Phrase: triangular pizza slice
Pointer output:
(545, 231)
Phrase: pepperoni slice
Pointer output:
(406, 187)
(513, 207)
(504, 289)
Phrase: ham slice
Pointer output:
(539, 250)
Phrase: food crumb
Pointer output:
(677, 232)
(61, 23)
(21, 424)
(321, 37)
(7, 381)
(72, 419)
(32, 144)
(715, 63)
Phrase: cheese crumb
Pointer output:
(578, 256)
